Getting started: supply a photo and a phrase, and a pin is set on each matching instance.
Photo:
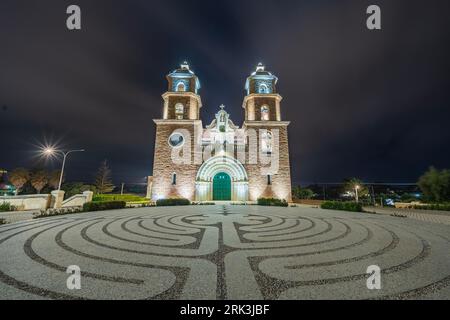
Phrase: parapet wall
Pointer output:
(46, 201)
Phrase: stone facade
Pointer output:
(280, 183)
(163, 166)
(253, 161)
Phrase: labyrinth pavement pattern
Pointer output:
(224, 252)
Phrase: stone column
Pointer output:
(251, 110)
(88, 196)
(166, 109)
(57, 199)
(278, 113)
(149, 187)
(193, 109)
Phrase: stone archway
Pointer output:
(204, 184)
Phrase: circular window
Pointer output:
(176, 140)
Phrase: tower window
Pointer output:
(263, 88)
(179, 110)
(181, 87)
(264, 113)
(269, 179)
(174, 178)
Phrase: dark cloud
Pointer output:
(373, 104)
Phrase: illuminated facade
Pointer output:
(221, 161)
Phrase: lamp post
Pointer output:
(356, 193)
(51, 151)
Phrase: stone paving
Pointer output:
(16, 216)
(224, 252)
(422, 215)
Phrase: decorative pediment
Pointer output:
(222, 122)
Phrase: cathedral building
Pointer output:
(221, 161)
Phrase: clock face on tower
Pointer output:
(176, 140)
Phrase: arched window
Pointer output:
(266, 142)
(263, 88)
(181, 86)
(269, 179)
(264, 113)
(179, 110)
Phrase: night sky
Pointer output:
(370, 104)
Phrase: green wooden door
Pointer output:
(222, 186)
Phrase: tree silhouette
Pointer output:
(435, 185)
(18, 177)
(39, 180)
(103, 181)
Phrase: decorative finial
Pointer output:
(260, 67)
(185, 65)
(221, 106)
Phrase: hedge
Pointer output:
(173, 202)
(104, 205)
(56, 212)
(117, 197)
(436, 206)
(342, 205)
(272, 202)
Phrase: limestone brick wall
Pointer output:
(163, 166)
(281, 182)
(28, 202)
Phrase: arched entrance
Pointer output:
(222, 186)
(221, 173)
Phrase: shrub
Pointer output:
(56, 212)
(434, 206)
(138, 203)
(173, 202)
(147, 204)
(203, 203)
(342, 205)
(118, 197)
(302, 193)
(6, 206)
(104, 205)
(272, 202)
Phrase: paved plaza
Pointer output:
(225, 252)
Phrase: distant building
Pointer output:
(5, 187)
(221, 161)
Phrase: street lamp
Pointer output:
(49, 151)
(356, 192)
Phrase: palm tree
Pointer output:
(356, 188)
(18, 177)
(39, 179)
